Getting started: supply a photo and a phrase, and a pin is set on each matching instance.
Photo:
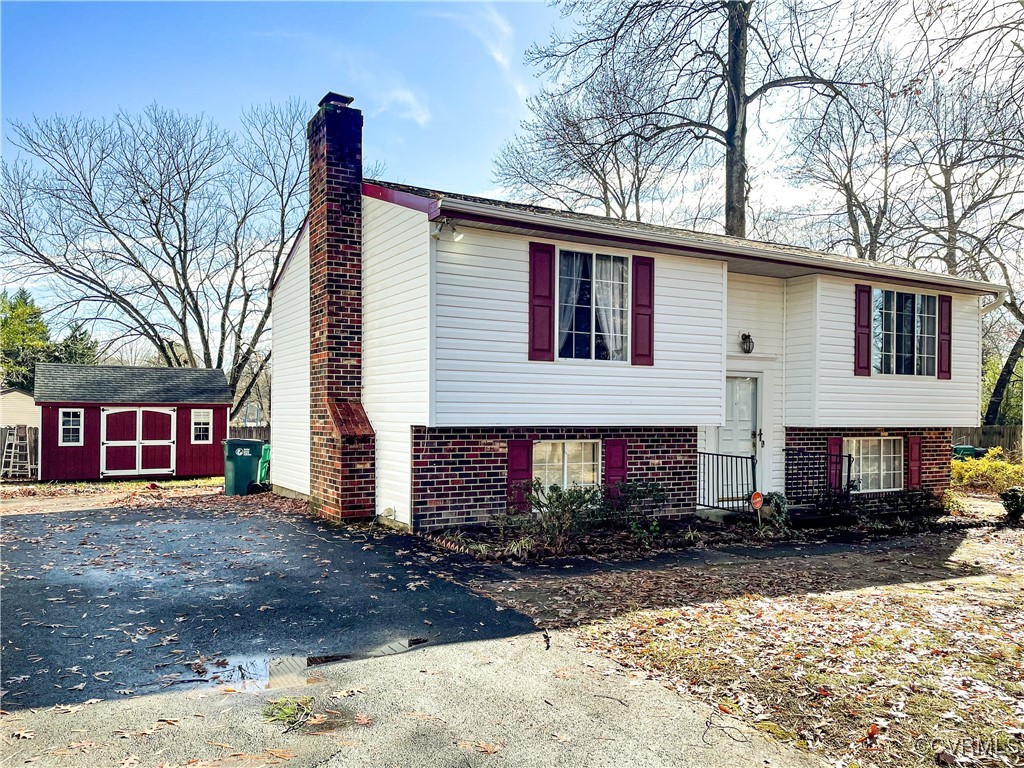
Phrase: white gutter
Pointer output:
(992, 306)
(816, 262)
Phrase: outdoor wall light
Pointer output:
(747, 343)
(439, 230)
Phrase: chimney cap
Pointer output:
(335, 98)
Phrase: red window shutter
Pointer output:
(642, 321)
(914, 462)
(520, 470)
(542, 301)
(614, 462)
(835, 463)
(944, 360)
(862, 331)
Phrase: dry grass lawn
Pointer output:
(892, 658)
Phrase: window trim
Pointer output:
(881, 439)
(193, 423)
(598, 475)
(81, 427)
(874, 357)
(594, 253)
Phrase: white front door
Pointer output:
(739, 434)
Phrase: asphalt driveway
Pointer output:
(148, 636)
(130, 599)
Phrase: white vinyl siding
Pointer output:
(801, 313)
(483, 376)
(757, 306)
(882, 400)
(396, 343)
(289, 374)
(18, 408)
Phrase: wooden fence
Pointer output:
(32, 434)
(251, 433)
(1009, 437)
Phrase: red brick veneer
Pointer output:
(342, 478)
(460, 474)
(936, 443)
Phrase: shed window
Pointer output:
(593, 306)
(567, 462)
(202, 425)
(877, 463)
(71, 426)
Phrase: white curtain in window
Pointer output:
(610, 304)
(571, 268)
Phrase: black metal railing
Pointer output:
(725, 481)
(812, 477)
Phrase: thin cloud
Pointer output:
(498, 36)
(378, 88)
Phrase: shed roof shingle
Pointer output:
(66, 383)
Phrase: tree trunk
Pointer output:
(736, 118)
(999, 391)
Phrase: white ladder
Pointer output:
(16, 459)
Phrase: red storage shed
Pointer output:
(109, 421)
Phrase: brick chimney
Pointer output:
(341, 440)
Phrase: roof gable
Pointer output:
(65, 383)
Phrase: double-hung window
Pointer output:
(567, 462)
(71, 420)
(904, 333)
(593, 306)
(877, 463)
(202, 425)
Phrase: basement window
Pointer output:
(877, 463)
(567, 462)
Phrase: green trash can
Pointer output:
(964, 452)
(241, 465)
(264, 471)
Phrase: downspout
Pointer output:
(1000, 300)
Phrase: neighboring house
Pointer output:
(17, 407)
(430, 349)
(108, 421)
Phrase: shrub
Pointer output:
(911, 502)
(777, 507)
(991, 473)
(1013, 502)
(553, 514)
(630, 502)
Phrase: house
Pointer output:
(17, 408)
(433, 349)
(107, 421)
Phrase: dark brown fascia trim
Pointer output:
(425, 205)
(568, 233)
(288, 258)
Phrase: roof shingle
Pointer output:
(66, 383)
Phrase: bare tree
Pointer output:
(161, 226)
(577, 152)
(704, 66)
(858, 151)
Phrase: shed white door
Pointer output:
(137, 441)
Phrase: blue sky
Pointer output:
(441, 84)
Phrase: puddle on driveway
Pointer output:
(257, 673)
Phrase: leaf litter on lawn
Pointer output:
(872, 657)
